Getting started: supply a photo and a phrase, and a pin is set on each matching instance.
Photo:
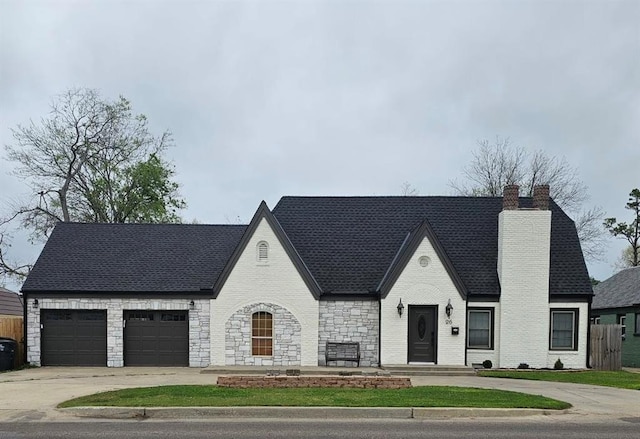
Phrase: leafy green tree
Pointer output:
(629, 231)
(90, 160)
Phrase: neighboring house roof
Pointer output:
(10, 303)
(341, 245)
(349, 243)
(619, 291)
(133, 257)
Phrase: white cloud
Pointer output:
(273, 98)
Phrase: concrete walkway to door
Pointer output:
(32, 394)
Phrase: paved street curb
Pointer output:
(299, 412)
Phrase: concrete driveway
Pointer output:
(32, 394)
(590, 403)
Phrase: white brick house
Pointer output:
(423, 280)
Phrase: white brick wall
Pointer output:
(572, 359)
(479, 355)
(276, 282)
(524, 249)
(199, 331)
(419, 285)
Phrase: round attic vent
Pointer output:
(424, 261)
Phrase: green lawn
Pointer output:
(214, 396)
(621, 379)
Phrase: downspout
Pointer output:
(589, 332)
(24, 328)
(466, 326)
(379, 329)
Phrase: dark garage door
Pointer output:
(73, 338)
(156, 338)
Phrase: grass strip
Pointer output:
(214, 396)
(621, 379)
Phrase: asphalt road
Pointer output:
(326, 429)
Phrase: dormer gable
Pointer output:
(406, 252)
(262, 251)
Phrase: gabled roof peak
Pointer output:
(263, 212)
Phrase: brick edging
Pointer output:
(359, 382)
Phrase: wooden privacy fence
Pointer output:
(11, 327)
(606, 347)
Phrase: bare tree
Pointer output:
(408, 190)
(495, 165)
(90, 160)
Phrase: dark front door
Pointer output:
(73, 337)
(156, 338)
(422, 334)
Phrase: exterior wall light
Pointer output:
(449, 309)
(192, 305)
(36, 304)
(400, 308)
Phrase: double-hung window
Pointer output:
(564, 330)
(480, 328)
(622, 320)
(637, 331)
(262, 334)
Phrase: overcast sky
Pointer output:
(269, 98)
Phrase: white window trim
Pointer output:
(622, 320)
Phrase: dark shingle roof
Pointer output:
(10, 303)
(133, 257)
(619, 291)
(348, 243)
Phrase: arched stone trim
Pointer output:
(287, 333)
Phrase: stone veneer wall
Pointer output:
(286, 337)
(199, 327)
(350, 320)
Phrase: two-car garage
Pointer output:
(79, 337)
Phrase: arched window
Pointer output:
(262, 334)
(263, 251)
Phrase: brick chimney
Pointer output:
(541, 197)
(510, 197)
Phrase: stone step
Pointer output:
(400, 370)
(429, 370)
(420, 373)
(282, 370)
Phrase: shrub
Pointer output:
(558, 365)
(523, 366)
(487, 364)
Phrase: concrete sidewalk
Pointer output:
(32, 395)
